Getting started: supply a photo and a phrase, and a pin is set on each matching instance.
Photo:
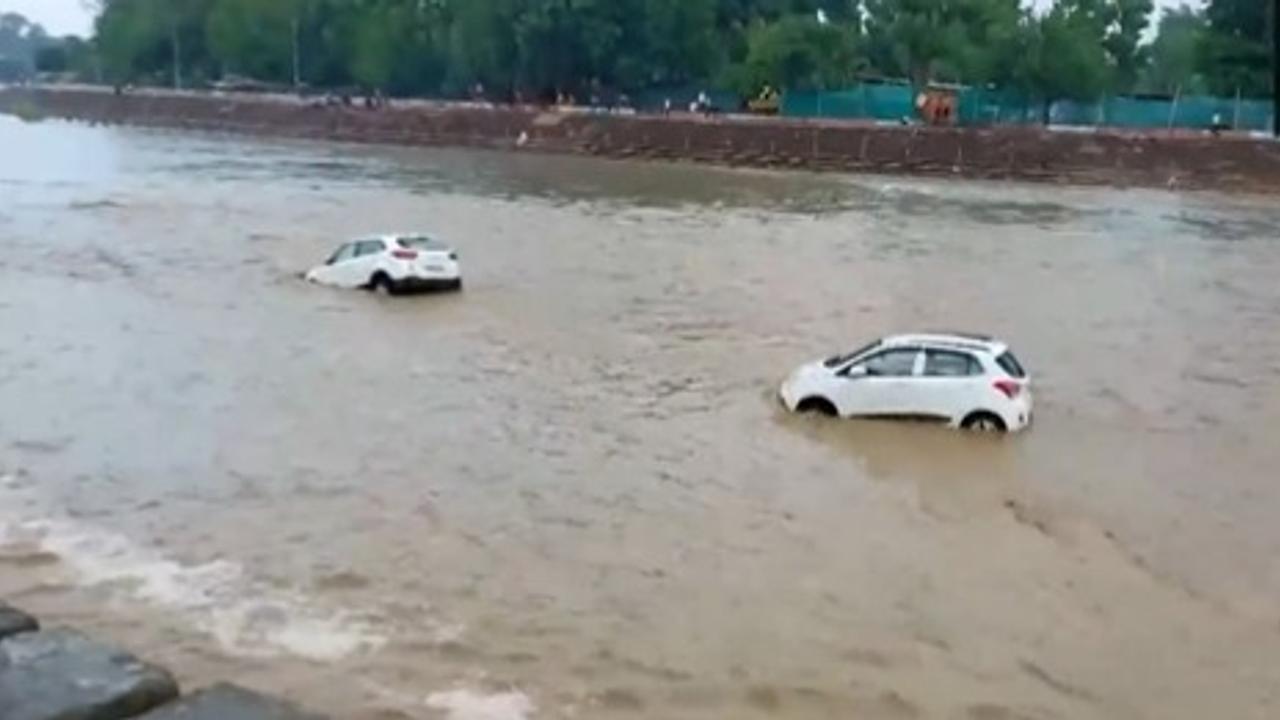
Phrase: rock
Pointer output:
(64, 675)
(228, 702)
(14, 621)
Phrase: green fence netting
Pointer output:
(872, 102)
(977, 106)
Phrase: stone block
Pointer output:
(14, 621)
(64, 675)
(228, 702)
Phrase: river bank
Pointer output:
(1005, 153)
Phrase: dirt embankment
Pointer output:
(1123, 159)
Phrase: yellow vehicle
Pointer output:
(768, 102)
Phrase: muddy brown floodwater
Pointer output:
(569, 493)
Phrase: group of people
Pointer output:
(375, 100)
(621, 103)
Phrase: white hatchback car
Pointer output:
(966, 381)
(393, 263)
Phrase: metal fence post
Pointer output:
(1275, 68)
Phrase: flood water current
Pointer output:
(569, 491)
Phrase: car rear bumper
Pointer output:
(1019, 417)
(427, 284)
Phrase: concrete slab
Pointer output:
(228, 702)
(14, 621)
(64, 675)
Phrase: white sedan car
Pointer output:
(967, 381)
(394, 263)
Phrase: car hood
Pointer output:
(809, 370)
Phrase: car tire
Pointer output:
(985, 422)
(382, 283)
(816, 406)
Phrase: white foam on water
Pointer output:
(244, 616)
(460, 703)
(463, 704)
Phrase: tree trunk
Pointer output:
(176, 42)
(297, 56)
(1275, 68)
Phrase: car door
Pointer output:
(879, 385)
(331, 272)
(359, 271)
(949, 385)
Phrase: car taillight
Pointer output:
(1010, 388)
(404, 254)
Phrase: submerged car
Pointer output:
(966, 381)
(392, 263)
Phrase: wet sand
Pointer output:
(569, 493)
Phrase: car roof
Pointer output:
(393, 237)
(949, 340)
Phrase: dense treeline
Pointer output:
(20, 40)
(1079, 49)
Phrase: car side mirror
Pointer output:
(854, 372)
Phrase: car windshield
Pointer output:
(342, 253)
(838, 360)
(1010, 364)
(421, 243)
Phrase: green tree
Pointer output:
(130, 37)
(591, 47)
(682, 41)
(1175, 53)
(157, 40)
(984, 44)
(1117, 27)
(1123, 43)
(253, 37)
(482, 46)
(798, 51)
(955, 40)
(398, 46)
(21, 39)
(1235, 53)
(1065, 56)
(53, 58)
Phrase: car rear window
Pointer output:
(421, 243)
(1010, 364)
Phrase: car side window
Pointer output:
(344, 253)
(369, 247)
(945, 363)
(892, 363)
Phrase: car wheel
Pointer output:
(816, 406)
(382, 283)
(984, 422)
